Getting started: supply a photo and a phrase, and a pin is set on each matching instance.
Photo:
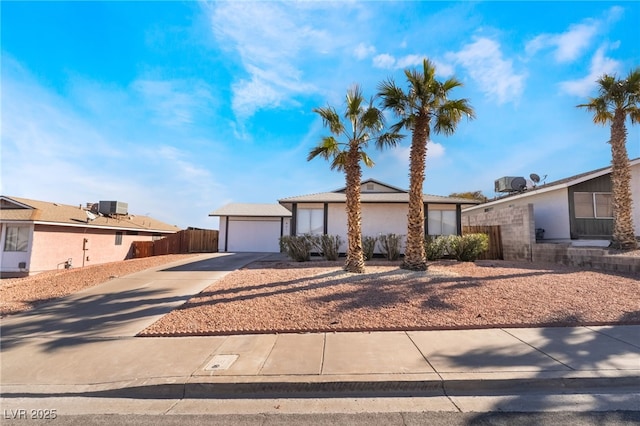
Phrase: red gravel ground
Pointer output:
(268, 297)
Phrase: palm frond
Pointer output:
(339, 161)
(388, 140)
(328, 148)
(354, 101)
(331, 119)
(366, 160)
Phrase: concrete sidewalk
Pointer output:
(84, 345)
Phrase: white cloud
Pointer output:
(568, 45)
(387, 61)
(401, 153)
(572, 43)
(384, 60)
(409, 61)
(174, 102)
(484, 61)
(600, 64)
(271, 39)
(363, 51)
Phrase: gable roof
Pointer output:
(381, 193)
(377, 187)
(17, 209)
(558, 184)
(252, 210)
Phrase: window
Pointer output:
(593, 205)
(442, 222)
(118, 238)
(17, 238)
(310, 221)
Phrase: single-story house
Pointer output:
(39, 236)
(577, 207)
(258, 227)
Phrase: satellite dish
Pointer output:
(535, 178)
(90, 216)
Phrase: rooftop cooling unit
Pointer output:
(113, 207)
(510, 184)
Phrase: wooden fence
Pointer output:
(187, 241)
(495, 240)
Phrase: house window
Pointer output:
(118, 238)
(442, 222)
(310, 221)
(597, 205)
(17, 238)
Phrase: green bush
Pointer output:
(435, 247)
(368, 246)
(390, 245)
(329, 246)
(298, 247)
(469, 247)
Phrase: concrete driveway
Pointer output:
(123, 306)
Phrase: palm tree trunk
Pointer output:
(414, 255)
(623, 232)
(355, 253)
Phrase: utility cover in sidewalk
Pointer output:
(221, 362)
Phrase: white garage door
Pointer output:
(254, 235)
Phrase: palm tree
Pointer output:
(618, 99)
(365, 123)
(425, 104)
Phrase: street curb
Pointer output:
(333, 389)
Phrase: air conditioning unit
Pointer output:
(510, 184)
(113, 207)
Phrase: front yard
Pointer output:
(268, 297)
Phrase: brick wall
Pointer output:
(517, 228)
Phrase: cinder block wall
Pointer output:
(583, 257)
(517, 227)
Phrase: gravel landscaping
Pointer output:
(316, 296)
(283, 296)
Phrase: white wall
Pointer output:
(550, 210)
(551, 213)
(376, 219)
(635, 196)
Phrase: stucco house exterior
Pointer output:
(575, 208)
(38, 236)
(384, 211)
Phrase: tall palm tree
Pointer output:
(365, 123)
(425, 104)
(617, 100)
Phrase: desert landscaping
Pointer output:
(281, 296)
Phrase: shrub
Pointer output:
(435, 247)
(329, 246)
(469, 247)
(390, 245)
(297, 247)
(368, 246)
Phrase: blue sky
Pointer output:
(178, 108)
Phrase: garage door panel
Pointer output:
(259, 235)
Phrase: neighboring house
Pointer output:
(578, 207)
(39, 236)
(252, 227)
(384, 211)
